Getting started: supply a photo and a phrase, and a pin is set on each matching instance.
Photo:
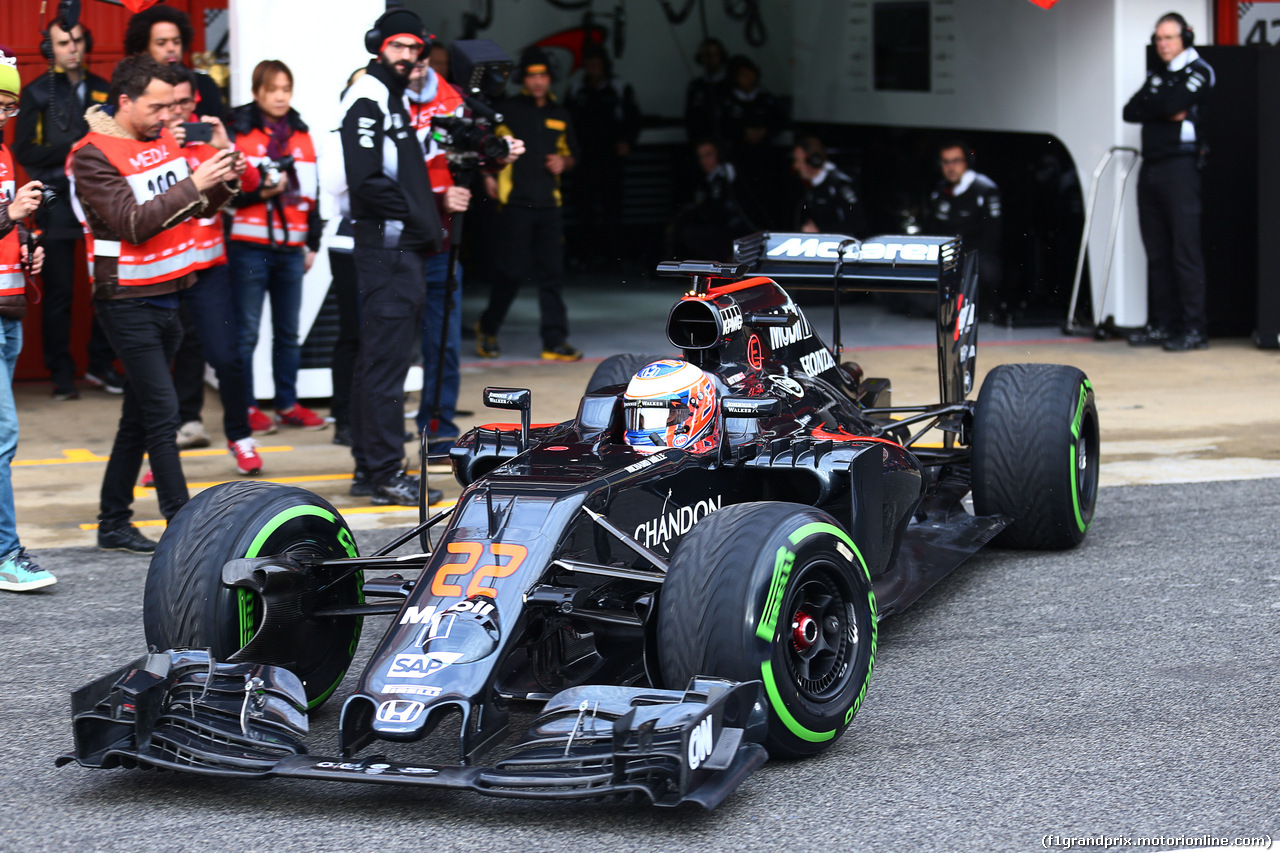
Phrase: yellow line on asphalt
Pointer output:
(355, 510)
(76, 455)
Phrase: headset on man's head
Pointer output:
(1186, 33)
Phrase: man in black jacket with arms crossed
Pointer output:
(1168, 106)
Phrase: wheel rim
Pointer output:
(1085, 473)
(824, 638)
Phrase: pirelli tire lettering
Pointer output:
(810, 631)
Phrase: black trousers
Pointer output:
(210, 333)
(347, 346)
(145, 337)
(1169, 217)
(393, 286)
(58, 277)
(530, 248)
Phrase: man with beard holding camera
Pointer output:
(396, 228)
(50, 122)
(138, 193)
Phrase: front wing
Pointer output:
(182, 710)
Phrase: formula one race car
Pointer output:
(688, 574)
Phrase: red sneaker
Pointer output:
(246, 453)
(300, 416)
(148, 480)
(259, 422)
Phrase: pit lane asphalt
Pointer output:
(1128, 687)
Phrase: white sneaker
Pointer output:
(192, 434)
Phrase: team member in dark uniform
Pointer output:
(967, 203)
(50, 122)
(829, 204)
(531, 227)
(1168, 107)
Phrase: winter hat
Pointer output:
(397, 22)
(534, 60)
(10, 83)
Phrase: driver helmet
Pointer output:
(671, 403)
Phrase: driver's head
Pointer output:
(671, 403)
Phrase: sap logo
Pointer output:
(676, 523)
(701, 742)
(149, 157)
(785, 336)
(730, 319)
(811, 247)
(902, 251)
(420, 666)
(400, 711)
(817, 362)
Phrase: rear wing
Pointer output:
(887, 263)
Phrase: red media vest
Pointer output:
(210, 249)
(151, 167)
(250, 223)
(11, 281)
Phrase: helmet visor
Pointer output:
(654, 415)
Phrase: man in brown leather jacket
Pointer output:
(138, 194)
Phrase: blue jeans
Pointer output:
(433, 325)
(258, 272)
(10, 346)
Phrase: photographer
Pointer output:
(165, 34)
(18, 572)
(275, 235)
(396, 228)
(138, 194)
(429, 96)
(829, 204)
(50, 121)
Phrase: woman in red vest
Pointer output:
(275, 235)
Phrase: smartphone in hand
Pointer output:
(198, 131)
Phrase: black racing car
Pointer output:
(680, 614)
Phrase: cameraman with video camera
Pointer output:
(433, 98)
(275, 235)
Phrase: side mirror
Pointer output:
(750, 407)
(520, 399)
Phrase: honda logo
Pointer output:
(400, 711)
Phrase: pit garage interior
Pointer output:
(1036, 93)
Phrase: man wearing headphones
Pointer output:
(1168, 108)
(829, 204)
(967, 204)
(396, 227)
(50, 121)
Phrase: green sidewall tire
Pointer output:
(732, 588)
(1036, 454)
(186, 605)
(618, 370)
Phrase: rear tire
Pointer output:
(1035, 454)
(778, 593)
(618, 370)
(186, 605)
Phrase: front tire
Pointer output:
(778, 593)
(1035, 454)
(186, 605)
